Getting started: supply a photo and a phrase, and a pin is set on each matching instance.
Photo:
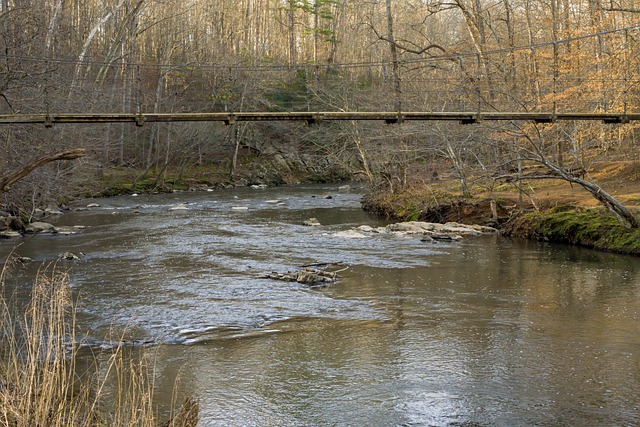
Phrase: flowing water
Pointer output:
(482, 332)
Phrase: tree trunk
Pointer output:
(394, 59)
(53, 22)
(361, 152)
(292, 35)
(621, 212)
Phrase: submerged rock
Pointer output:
(311, 222)
(313, 277)
(350, 234)
(67, 231)
(441, 236)
(180, 207)
(52, 211)
(68, 256)
(10, 234)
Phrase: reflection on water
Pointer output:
(487, 331)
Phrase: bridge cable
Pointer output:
(352, 64)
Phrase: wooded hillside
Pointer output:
(318, 55)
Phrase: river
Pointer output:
(481, 332)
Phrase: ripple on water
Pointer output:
(183, 276)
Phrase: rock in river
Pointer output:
(39, 227)
(312, 222)
(10, 234)
(180, 207)
(68, 256)
(429, 231)
(308, 276)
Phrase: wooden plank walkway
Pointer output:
(311, 117)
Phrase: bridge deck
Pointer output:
(311, 117)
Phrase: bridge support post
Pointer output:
(470, 120)
(231, 120)
(616, 120)
(399, 119)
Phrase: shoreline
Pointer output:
(590, 227)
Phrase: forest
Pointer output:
(451, 336)
(173, 56)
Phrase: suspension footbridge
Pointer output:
(230, 118)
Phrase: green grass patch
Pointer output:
(594, 228)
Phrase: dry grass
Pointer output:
(40, 381)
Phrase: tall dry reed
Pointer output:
(40, 380)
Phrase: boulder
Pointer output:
(280, 163)
(416, 227)
(411, 227)
(430, 231)
(15, 224)
(39, 227)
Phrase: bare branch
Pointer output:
(11, 178)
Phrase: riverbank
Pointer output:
(549, 210)
(266, 170)
(251, 170)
